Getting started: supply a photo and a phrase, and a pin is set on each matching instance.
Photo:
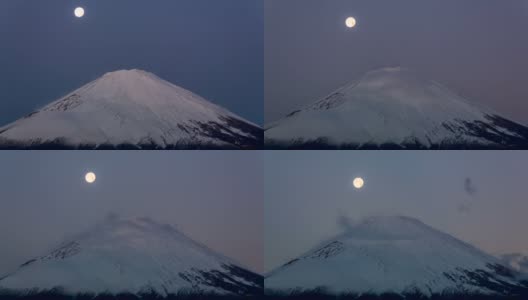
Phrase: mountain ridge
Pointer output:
(394, 108)
(398, 255)
(134, 109)
(133, 256)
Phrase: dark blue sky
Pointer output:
(477, 48)
(213, 48)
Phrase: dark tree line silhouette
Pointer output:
(58, 294)
(321, 294)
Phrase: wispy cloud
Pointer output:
(345, 223)
(469, 186)
(471, 190)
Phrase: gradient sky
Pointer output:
(213, 48)
(214, 197)
(477, 48)
(306, 192)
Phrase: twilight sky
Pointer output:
(214, 197)
(213, 48)
(477, 196)
(477, 48)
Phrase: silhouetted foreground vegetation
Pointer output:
(315, 295)
(59, 145)
(59, 295)
(322, 144)
(321, 295)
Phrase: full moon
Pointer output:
(90, 177)
(79, 12)
(358, 182)
(350, 22)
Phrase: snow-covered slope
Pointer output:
(394, 255)
(131, 109)
(394, 108)
(133, 256)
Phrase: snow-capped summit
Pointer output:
(394, 108)
(133, 256)
(131, 109)
(395, 255)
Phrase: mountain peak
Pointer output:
(389, 228)
(389, 222)
(124, 71)
(403, 87)
(388, 71)
(112, 223)
(131, 73)
(392, 77)
(392, 219)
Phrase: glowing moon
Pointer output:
(350, 22)
(79, 12)
(358, 182)
(90, 177)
